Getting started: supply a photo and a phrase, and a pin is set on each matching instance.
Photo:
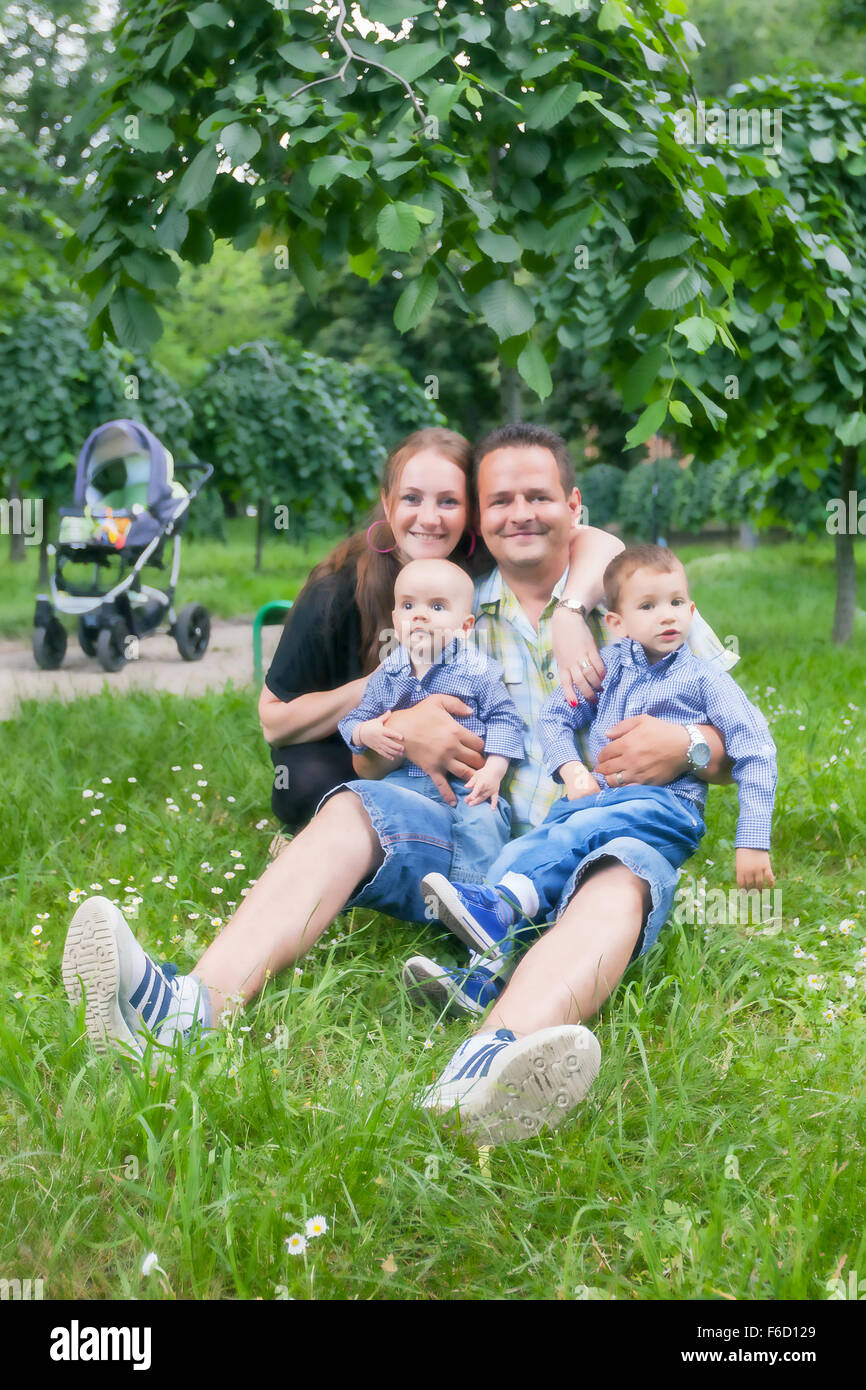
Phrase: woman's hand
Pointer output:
(580, 666)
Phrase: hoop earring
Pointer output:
(471, 549)
(373, 524)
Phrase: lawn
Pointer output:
(719, 1155)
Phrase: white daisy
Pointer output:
(296, 1244)
(316, 1226)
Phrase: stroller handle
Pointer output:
(207, 472)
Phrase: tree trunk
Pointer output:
(260, 532)
(16, 533)
(748, 536)
(510, 394)
(846, 575)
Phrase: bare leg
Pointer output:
(575, 966)
(295, 899)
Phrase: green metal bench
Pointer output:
(267, 616)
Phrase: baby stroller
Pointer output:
(127, 505)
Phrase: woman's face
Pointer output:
(428, 509)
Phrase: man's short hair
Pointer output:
(530, 436)
(635, 557)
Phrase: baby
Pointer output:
(649, 670)
(432, 620)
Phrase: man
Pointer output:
(368, 845)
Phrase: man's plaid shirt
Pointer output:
(504, 632)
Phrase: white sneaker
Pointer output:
(98, 961)
(504, 1087)
(129, 996)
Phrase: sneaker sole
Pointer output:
(440, 897)
(535, 1087)
(437, 991)
(91, 967)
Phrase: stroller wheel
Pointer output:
(111, 645)
(192, 631)
(49, 645)
(86, 638)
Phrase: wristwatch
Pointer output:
(572, 605)
(699, 750)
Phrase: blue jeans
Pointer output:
(421, 834)
(649, 829)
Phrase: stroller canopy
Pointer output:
(123, 466)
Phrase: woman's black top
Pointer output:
(320, 646)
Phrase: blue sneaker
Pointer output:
(449, 991)
(481, 917)
(504, 1087)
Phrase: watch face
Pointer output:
(700, 753)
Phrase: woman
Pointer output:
(332, 637)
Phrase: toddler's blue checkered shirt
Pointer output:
(463, 671)
(682, 690)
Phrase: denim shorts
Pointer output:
(650, 830)
(421, 834)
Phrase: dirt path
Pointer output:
(160, 667)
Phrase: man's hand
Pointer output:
(753, 869)
(484, 784)
(376, 735)
(580, 666)
(437, 743)
(578, 781)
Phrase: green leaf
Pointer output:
(506, 308)
(498, 247)
(473, 28)
(641, 376)
(415, 302)
(204, 15)
(822, 150)
(713, 412)
(545, 111)
(397, 227)
(172, 228)
(532, 366)
(153, 136)
(135, 321)
(197, 180)
(722, 274)
(674, 287)
(411, 60)
(331, 166)
(180, 46)
(649, 423)
(681, 412)
(612, 15)
(698, 332)
(213, 123)
(852, 430)
(668, 244)
(835, 257)
(152, 97)
(240, 142)
(303, 56)
(392, 12)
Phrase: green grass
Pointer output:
(719, 1155)
(218, 574)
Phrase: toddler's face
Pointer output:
(655, 610)
(430, 610)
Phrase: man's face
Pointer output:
(526, 518)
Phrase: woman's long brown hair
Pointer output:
(377, 572)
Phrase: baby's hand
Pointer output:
(578, 781)
(374, 735)
(484, 784)
(753, 869)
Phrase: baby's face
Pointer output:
(655, 610)
(432, 606)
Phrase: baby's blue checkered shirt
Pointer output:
(682, 690)
(463, 671)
